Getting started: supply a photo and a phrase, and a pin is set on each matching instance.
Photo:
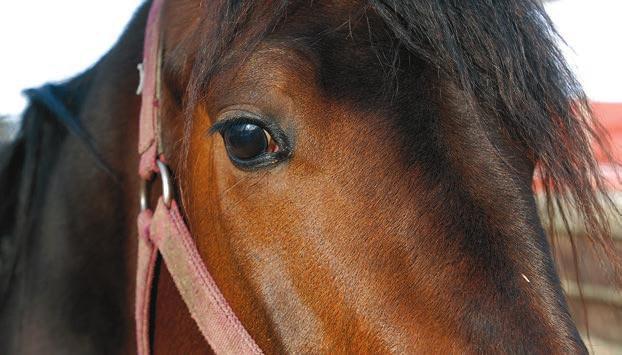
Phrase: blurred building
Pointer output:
(593, 294)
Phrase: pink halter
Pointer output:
(164, 230)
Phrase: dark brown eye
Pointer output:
(246, 141)
(252, 141)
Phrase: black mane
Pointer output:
(505, 57)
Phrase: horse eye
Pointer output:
(246, 141)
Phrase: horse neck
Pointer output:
(71, 289)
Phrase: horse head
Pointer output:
(358, 175)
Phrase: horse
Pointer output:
(357, 176)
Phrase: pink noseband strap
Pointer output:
(165, 231)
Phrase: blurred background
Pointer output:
(43, 40)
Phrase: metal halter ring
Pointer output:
(167, 187)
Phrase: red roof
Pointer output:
(610, 115)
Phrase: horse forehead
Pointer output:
(277, 63)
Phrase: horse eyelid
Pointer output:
(230, 120)
(272, 129)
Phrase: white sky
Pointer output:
(593, 31)
(50, 40)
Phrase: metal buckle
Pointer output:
(141, 78)
(167, 187)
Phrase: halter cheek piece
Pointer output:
(163, 230)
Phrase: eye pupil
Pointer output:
(245, 141)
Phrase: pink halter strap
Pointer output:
(164, 230)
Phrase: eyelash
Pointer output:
(277, 135)
(226, 123)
